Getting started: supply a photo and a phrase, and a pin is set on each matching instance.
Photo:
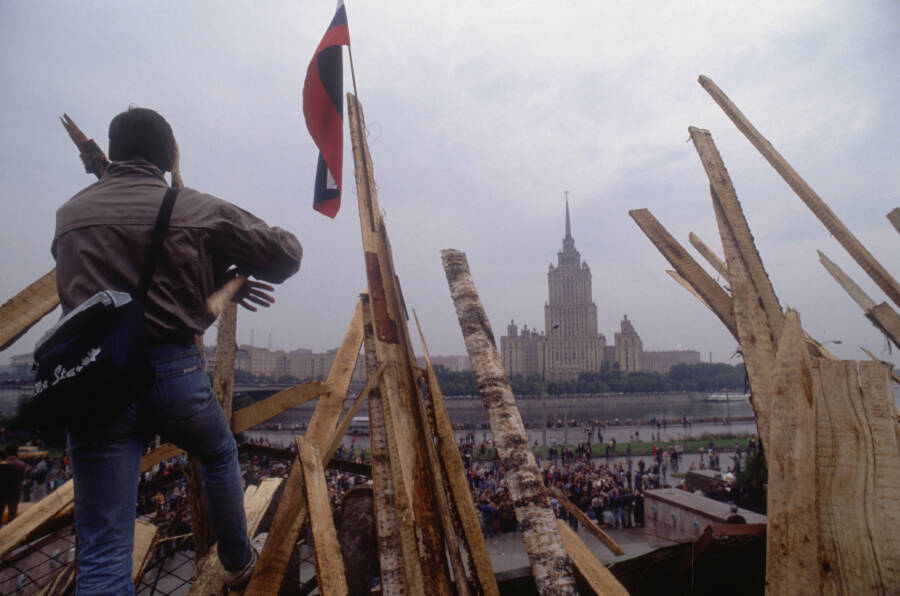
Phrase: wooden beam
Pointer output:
(587, 522)
(846, 282)
(288, 521)
(22, 311)
(63, 583)
(725, 197)
(711, 257)
(894, 217)
(286, 526)
(687, 286)
(549, 563)
(400, 568)
(458, 484)
(145, 535)
(881, 315)
(444, 512)
(15, 532)
(858, 478)
(329, 562)
(338, 434)
(887, 320)
(586, 564)
(329, 407)
(257, 502)
(874, 358)
(276, 404)
(792, 538)
(210, 575)
(835, 226)
(407, 431)
(755, 323)
(92, 156)
(711, 293)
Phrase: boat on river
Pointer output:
(726, 397)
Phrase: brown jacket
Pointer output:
(102, 235)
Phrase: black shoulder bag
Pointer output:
(95, 361)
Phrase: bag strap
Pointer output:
(159, 232)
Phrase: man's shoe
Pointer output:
(240, 578)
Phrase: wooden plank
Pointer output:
(842, 234)
(342, 428)
(286, 526)
(457, 481)
(725, 196)
(145, 535)
(883, 507)
(874, 358)
(752, 322)
(158, 455)
(443, 505)
(62, 584)
(16, 531)
(711, 257)
(329, 407)
(226, 350)
(22, 311)
(846, 282)
(894, 217)
(406, 429)
(210, 575)
(587, 522)
(257, 502)
(586, 564)
(92, 156)
(276, 404)
(329, 562)
(853, 439)
(549, 563)
(887, 320)
(221, 300)
(687, 286)
(223, 386)
(712, 294)
(400, 567)
(792, 537)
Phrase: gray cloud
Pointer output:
(480, 115)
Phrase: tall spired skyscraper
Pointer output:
(570, 315)
(570, 343)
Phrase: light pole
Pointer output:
(544, 387)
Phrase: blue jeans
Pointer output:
(182, 408)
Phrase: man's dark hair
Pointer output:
(142, 133)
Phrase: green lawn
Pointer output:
(724, 442)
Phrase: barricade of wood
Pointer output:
(428, 535)
(828, 426)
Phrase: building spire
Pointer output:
(568, 223)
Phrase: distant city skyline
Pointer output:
(570, 343)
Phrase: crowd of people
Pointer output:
(28, 479)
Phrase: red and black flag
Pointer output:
(323, 108)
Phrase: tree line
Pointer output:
(681, 377)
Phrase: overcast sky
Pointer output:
(480, 116)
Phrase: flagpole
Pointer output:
(359, 125)
(352, 71)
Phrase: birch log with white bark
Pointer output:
(549, 561)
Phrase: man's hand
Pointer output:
(252, 292)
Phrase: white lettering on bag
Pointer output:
(61, 372)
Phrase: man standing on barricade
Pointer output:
(101, 241)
